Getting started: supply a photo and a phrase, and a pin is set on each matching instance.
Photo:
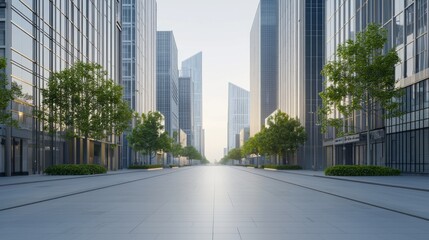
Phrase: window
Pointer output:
(421, 53)
(399, 30)
(2, 33)
(409, 23)
(421, 17)
(409, 63)
(399, 6)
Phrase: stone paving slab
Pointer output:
(405, 181)
(210, 203)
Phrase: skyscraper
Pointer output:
(264, 45)
(39, 38)
(402, 142)
(186, 104)
(238, 113)
(167, 77)
(138, 62)
(301, 59)
(193, 67)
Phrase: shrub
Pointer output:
(248, 165)
(145, 166)
(357, 170)
(283, 167)
(75, 169)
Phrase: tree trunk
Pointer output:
(8, 152)
(368, 138)
(85, 150)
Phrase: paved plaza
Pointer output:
(214, 202)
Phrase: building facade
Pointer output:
(186, 106)
(167, 78)
(238, 113)
(193, 67)
(264, 45)
(403, 142)
(139, 20)
(301, 59)
(41, 37)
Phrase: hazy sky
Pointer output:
(220, 29)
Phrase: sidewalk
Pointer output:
(16, 180)
(415, 182)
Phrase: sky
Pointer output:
(221, 30)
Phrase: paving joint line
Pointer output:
(83, 191)
(358, 181)
(214, 202)
(71, 178)
(343, 197)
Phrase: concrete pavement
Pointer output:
(212, 203)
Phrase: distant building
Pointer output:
(264, 54)
(138, 63)
(301, 59)
(244, 136)
(193, 67)
(238, 113)
(186, 96)
(167, 78)
(183, 138)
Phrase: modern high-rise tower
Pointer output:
(186, 103)
(193, 67)
(138, 62)
(41, 37)
(238, 113)
(301, 59)
(264, 52)
(167, 75)
(401, 142)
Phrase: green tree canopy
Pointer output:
(7, 95)
(361, 78)
(191, 153)
(176, 148)
(235, 154)
(82, 102)
(148, 136)
(284, 135)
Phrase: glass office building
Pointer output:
(186, 106)
(238, 113)
(167, 80)
(193, 67)
(301, 59)
(402, 143)
(264, 53)
(42, 37)
(138, 62)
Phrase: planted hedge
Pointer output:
(283, 167)
(355, 170)
(145, 166)
(75, 169)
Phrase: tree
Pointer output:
(7, 95)
(148, 136)
(284, 135)
(360, 79)
(82, 102)
(176, 148)
(205, 161)
(191, 153)
(235, 154)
